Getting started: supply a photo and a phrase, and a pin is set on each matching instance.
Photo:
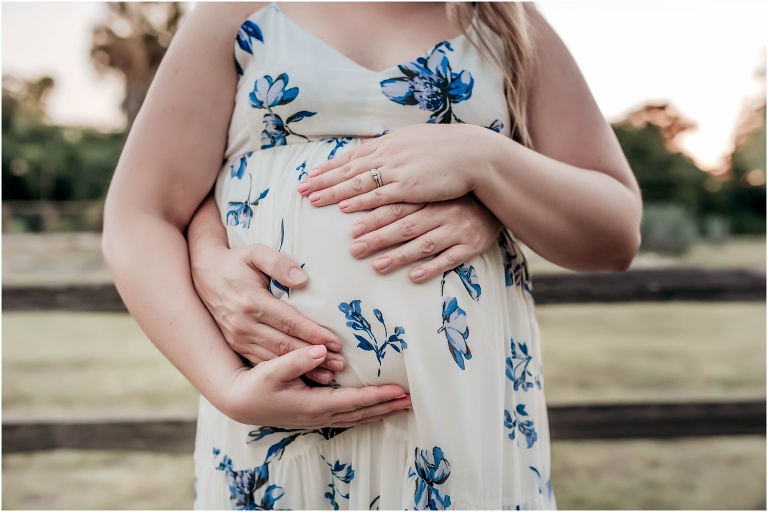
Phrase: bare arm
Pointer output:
(167, 167)
(574, 200)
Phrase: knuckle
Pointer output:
(427, 245)
(379, 218)
(284, 346)
(331, 193)
(398, 257)
(357, 184)
(290, 326)
(378, 195)
(278, 260)
(407, 227)
(377, 240)
(450, 259)
(238, 328)
(396, 209)
(346, 170)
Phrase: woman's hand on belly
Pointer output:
(456, 231)
(233, 284)
(272, 394)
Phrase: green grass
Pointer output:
(707, 473)
(84, 363)
(70, 363)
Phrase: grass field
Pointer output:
(67, 364)
(58, 364)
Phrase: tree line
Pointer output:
(42, 160)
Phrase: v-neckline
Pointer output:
(318, 41)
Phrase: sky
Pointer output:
(702, 56)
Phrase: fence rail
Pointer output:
(176, 434)
(675, 284)
(614, 421)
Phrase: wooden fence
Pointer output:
(609, 421)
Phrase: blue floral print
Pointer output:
(338, 142)
(247, 32)
(261, 432)
(244, 483)
(238, 173)
(302, 168)
(515, 272)
(240, 213)
(268, 93)
(370, 507)
(544, 487)
(432, 468)
(275, 282)
(468, 278)
(525, 426)
(430, 83)
(496, 126)
(456, 330)
(344, 474)
(517, 367)
(358, 322)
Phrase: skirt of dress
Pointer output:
(465, 346)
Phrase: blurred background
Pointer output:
(683, 85)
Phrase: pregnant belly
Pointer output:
(383, 321)
(259, 203)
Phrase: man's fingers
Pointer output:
(397, 232)
(286, 319)
(425, 245)
(383, 216)
(446, 260)
(275, 264)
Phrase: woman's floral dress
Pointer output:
(466, 345)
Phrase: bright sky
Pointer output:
(700, 55)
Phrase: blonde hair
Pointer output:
(510, 21)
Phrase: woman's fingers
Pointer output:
(446, 260)
(276, 313)
(383, 216)
(273, 343)
(425, 245)
(331, 401)
(394, 233)
(293, 365)
(374, 410)
(372, 419)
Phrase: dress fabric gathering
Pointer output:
(466, 346)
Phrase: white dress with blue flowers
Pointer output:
(466, 346)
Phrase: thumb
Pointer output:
(276, 265)
(295, 364)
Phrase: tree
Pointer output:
(132, 41)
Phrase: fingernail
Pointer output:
(382, 263)
(343, 204)
(318, 352)
(297, 275)
(357, 230)
(314, 196)
(418, 273)
(323, 376)
(333, 346)
(336, 365)
(302, 187)
(314, 172)
(398, 397)
(358, 248)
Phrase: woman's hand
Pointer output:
(272, 394)
(233, 284)
(417, 163)
(455, 230)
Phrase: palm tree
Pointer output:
(132, 41)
